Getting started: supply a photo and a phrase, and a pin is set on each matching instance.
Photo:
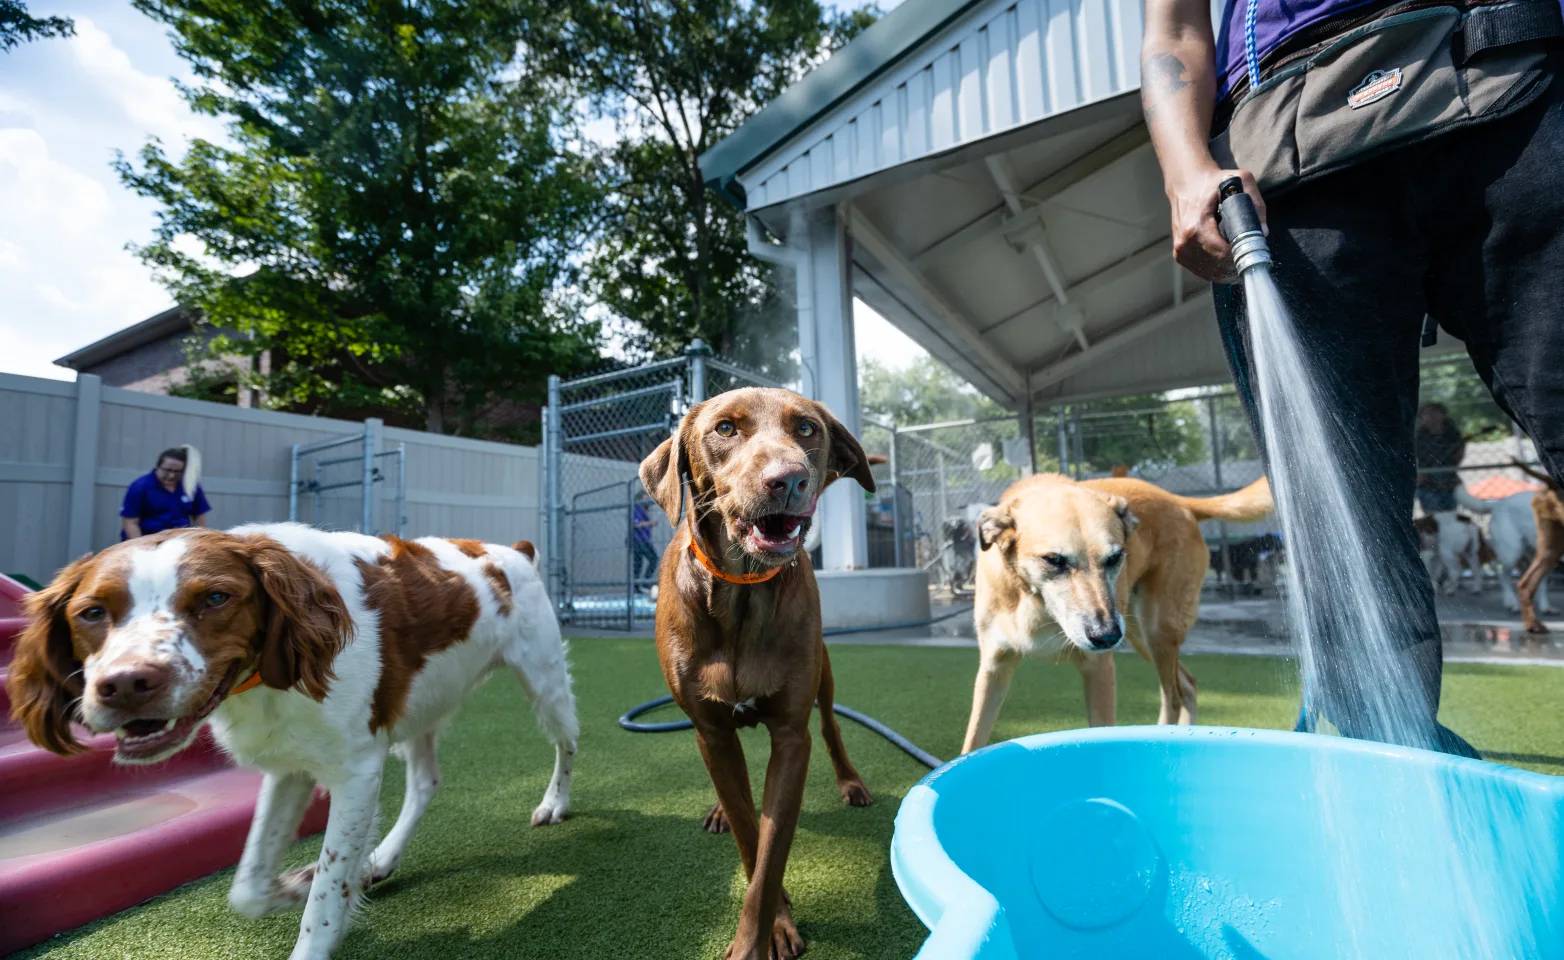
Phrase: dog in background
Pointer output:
(1061, 564)
(313, 655)
(1451, 543)
(1512, 532)
(1246, 557)
(738, 621)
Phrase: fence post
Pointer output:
(401, 487)
(1029, 431)
(84, 464)
(1064, 442)
(293, 483)
(552, 462)
(1078, 446)
(944, 493)
(697, 351)
(896, 521)
(371, 444)
(1216, 478)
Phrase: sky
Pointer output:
(66, 275)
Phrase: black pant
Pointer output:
(1467, 228)
(645, 554)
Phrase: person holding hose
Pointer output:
(1407, 161)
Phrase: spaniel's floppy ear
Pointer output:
(664, 469)
(45, 681)
(846, 457)
(306, 623)
(996, 527)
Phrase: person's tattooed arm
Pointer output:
(1178, 95)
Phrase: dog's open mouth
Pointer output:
(775, 532)
(149, 739)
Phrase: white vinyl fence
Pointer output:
(69, 450)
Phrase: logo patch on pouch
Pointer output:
(1375, 87)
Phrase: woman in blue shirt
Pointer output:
(161, 500)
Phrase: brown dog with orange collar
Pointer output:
(738, 620)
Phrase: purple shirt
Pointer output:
(1274, 22)
(158, 509)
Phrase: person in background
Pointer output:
(1440, 448)
(162, 500)
(641, 524)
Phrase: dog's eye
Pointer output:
(725, 428)
(216, 598)
(93, 614)
(1113, 559)
(806, 428)
(1056, 561)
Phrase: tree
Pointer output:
(677, 76)
(18, 27)
(398, 192)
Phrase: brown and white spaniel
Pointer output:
(312, 655)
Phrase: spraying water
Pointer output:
(1345, 604)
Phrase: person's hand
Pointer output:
(1198, 243)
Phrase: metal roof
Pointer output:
(875, 50)
(1005, 208)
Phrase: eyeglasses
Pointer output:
(171, 471)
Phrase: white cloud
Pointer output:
(68, 278)
(151, 102)
(65, 107)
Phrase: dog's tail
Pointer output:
(1244, 506)
(1474, 504)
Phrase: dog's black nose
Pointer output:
(1105, 636)
(784, 481)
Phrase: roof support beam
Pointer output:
(1142, 259)
(1076, 171)
(868, 238)
(1114, 342)
(1036, 234)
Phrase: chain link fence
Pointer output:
(603, 534)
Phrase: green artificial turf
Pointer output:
(631, 874)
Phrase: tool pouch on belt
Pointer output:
(1401, 77)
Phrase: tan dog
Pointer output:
(738, 620)
(1061, 559)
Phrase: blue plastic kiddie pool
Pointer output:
(1210, 842)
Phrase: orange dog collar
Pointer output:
(249, 684)
(717, 572)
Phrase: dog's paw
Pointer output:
(786, 943)
(854, 793)
(551, 811)
(716, 821)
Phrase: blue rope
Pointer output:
(1251, 57)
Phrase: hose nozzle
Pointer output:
(1240, 224)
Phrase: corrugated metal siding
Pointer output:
(1001, 66)
(456, 487)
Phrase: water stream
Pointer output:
(1466, 856)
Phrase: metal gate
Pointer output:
(349, 483)
(603, 535)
